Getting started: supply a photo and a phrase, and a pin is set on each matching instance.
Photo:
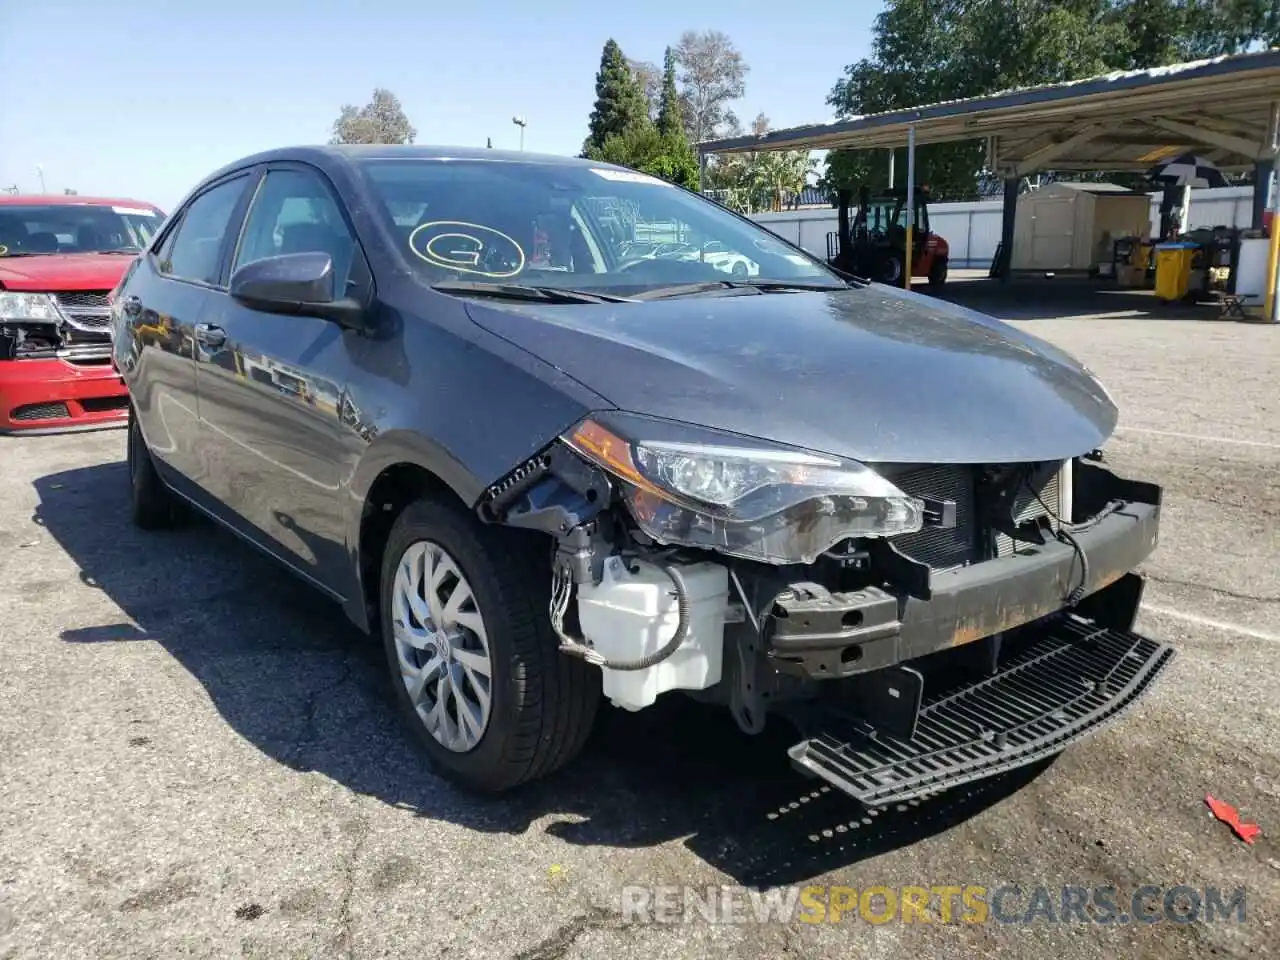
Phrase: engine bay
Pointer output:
(757, 636)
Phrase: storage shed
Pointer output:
(1069, 226)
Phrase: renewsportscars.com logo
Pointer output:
(937, 903)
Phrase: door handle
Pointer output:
(132, 305)
(209, 335)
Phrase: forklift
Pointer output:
(872, 244)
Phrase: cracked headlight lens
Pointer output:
(745, 498)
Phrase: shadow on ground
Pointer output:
(1042, 298)
(289, 674)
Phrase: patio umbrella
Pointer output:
(1188, 170)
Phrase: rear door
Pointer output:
(163, 303)
(272, 388)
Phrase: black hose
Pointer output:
(1064, 535)
(670, 647)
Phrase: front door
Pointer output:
(271, 387)
(166, 299)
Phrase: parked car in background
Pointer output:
(60, 257)
(548, 481)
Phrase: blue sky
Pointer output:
(139, 101)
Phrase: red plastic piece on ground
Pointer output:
(1231, 817)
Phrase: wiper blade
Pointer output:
(717, 286)
(521, 291)
(771, 286)
(129, 250)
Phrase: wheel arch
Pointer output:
(396, 470)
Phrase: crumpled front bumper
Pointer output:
(825, 635)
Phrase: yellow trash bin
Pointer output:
(1173, 270)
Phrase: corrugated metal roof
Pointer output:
(1123, 120)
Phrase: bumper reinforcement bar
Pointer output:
(1075, 678)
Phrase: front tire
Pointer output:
(475, 669)
(152, 506)
(890, 269)
(938, 274)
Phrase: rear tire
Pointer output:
(538, 706)
(152, 506)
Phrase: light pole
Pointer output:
(40, 174)
(520, 122)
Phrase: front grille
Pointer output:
(86, 309)
(40, 411)
(83, 298)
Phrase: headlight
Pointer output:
(29, 307)
(745, 498)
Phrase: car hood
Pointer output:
(876, 374)
(63, 271)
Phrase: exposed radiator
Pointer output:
(943, 548)
(948, 548)
(1029, 506)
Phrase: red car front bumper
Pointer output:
(55, 395)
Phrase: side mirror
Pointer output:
(295, 283)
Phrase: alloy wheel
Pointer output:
(442, 646)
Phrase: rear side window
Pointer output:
(192, 253)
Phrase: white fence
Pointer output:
(972, 230)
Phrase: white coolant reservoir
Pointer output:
(632, 612)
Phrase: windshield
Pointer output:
(573, 227)
(31, 229)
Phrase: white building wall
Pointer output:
(973, 229)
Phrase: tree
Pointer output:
(650, 79)
(381, 120)
(712, 75)
(620, 103)
(769, 177)
(670, 121)
(643, 148)
(1166, 31)
(926, 51)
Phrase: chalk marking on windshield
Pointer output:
(3, 250)
(464, 261)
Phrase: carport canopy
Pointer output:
(1224, 109)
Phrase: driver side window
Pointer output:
(294, 212)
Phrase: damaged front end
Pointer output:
(922, 626)
(70, 326)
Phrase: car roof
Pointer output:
(351, 153)
(59, 200)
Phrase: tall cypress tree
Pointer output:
(620, 103)
(669, 120)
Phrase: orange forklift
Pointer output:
(873, 243)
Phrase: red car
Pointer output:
(60, 258)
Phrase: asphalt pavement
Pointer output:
(198, 759)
